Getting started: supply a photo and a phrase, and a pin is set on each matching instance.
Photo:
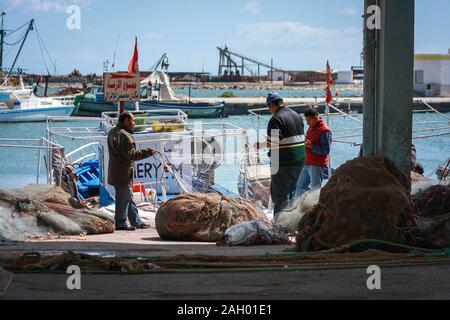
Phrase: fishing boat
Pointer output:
(23, 106)
(186, 159)
(93, 105)
(156, 94)
(193, 110)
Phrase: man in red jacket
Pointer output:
(318, 146)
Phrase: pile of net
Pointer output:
(203, 217)
(87, 263)
(289, 219)
(367, 198)
(42, 210)
(432, 215)
(254, 233)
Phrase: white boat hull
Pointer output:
(35, 114)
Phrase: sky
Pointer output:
(297, 34)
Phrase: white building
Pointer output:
(344, 77)
(432, 74)
(279, 76)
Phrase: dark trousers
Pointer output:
(284, 186)
(126, 208)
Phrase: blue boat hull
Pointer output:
(34, 115)
(193, 110)
(200, 110)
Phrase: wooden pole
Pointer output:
(271, 70)
(121, 108)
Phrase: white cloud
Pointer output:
(292, 34)
(253, 8)
(347, 11)
(46, 6)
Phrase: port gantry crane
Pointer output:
(229, 66)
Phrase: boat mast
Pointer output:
(30, 28)
(2, 35)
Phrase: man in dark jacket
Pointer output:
(122, 156)
(285, 138)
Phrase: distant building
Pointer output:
(309, 76)
(358, 74)
(190, 76)
(344, 77)
(183, 76)
(432, 74)
(279, 76)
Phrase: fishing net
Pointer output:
(289, 218)
(38, 210)
(432, 213)
(253, 233)
(203, 217)
(367, 198)
(65, 174)
(87, 263)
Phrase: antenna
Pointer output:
(115, 51)
(106, 65)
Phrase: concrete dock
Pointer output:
(414, 282)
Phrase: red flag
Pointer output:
(329, 75)
(329, 95)
(133, 67)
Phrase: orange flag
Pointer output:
(329, 75)
(329, 95)
(133, 67)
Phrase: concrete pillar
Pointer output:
(388, 87)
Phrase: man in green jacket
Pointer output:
(122, 156)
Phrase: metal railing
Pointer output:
(357, 131)
(43, 146)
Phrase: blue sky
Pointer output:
(298, 34)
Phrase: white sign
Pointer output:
(122, 87)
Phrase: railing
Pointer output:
(197, 133)
(353, 132)
(82, 155)
(42, 145)
(178, 117)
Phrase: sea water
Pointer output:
(255, 93)
(18, 167)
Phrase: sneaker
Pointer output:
(143, 227)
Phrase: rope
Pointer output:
(46, 50)
(211, 268)
(42, 54)
(14, 31)
(17, 42)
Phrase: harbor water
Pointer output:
(256, 93)
(246, 93)
(18, 166)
